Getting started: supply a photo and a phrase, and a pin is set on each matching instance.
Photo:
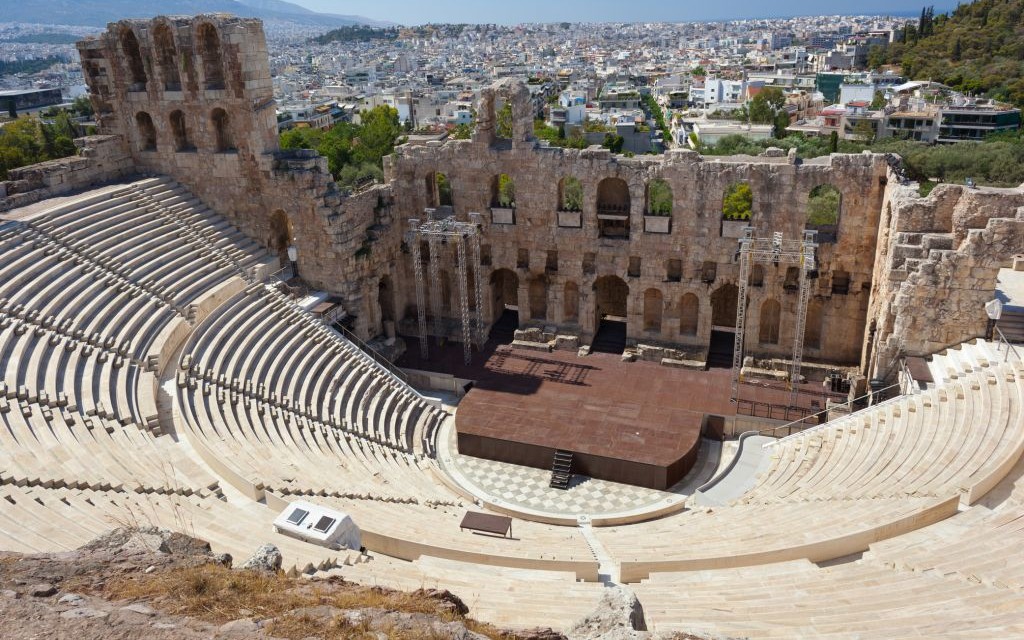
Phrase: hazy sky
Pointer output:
(513, 11)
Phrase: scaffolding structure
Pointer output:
(440, 236)
(775, 250)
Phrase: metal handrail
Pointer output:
(905, 372)
(1010, 349)
(772, 430)
(376, 355)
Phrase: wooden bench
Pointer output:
(488, 523)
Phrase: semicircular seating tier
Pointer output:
(913, 508)
(874, 474)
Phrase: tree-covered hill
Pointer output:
(978, 48)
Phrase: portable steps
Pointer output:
(561, 470)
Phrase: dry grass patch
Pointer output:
(216, 594)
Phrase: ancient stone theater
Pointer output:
(523, 373)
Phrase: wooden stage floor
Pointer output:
(525, 404)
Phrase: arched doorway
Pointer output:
(723, 325)
(504, 304)
(611, 306)
(282, 234)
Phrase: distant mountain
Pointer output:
(97, 13)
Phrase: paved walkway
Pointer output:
(743, 471)
(525, 490)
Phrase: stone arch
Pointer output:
(504, 114)
(282, 234)
(812, 329)
(611, 297)
(538, 295)
(689, 314)
(209, 50)
(134, 65)
(659, 198)
(386, 299)
(504, 291)
(180, 131)
(768, 331)
(166, 57)
(146, 131)
(571, 303)
(570, 194)
(824, 207)
(737, 201)
(654, 309)
(613, 206)
(223, 139)
(503, 191)
(756, 276)
(723, 305)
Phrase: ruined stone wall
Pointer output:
(100, 159)
(938, 260)
(696, 235)
(192, 98)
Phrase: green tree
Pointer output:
(823, 206)
(766, 104)
(444, 190)
(613, 142)
(738, 202)
(27, 141)
(462, 132)
(879, 101)
(379, 129)
(572, 195)
(503, 127)
(698, 71)
(659, 198)
(833, 142)
(82, 106)
(506, 191)
(865, 131)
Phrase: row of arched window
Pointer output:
(613, 202)
(168, 60)
(223, 141)
(689, 311)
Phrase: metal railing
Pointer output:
(1002, 344)
(379, 357)
(906, 380)
(771, 411)
(801, 424)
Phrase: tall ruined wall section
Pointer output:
(937, 265)
(551, 262)
(192, 97)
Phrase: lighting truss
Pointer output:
(440, 235)
(775, 250)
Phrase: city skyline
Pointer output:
(408, 12)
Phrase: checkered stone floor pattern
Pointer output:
(528, 487)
